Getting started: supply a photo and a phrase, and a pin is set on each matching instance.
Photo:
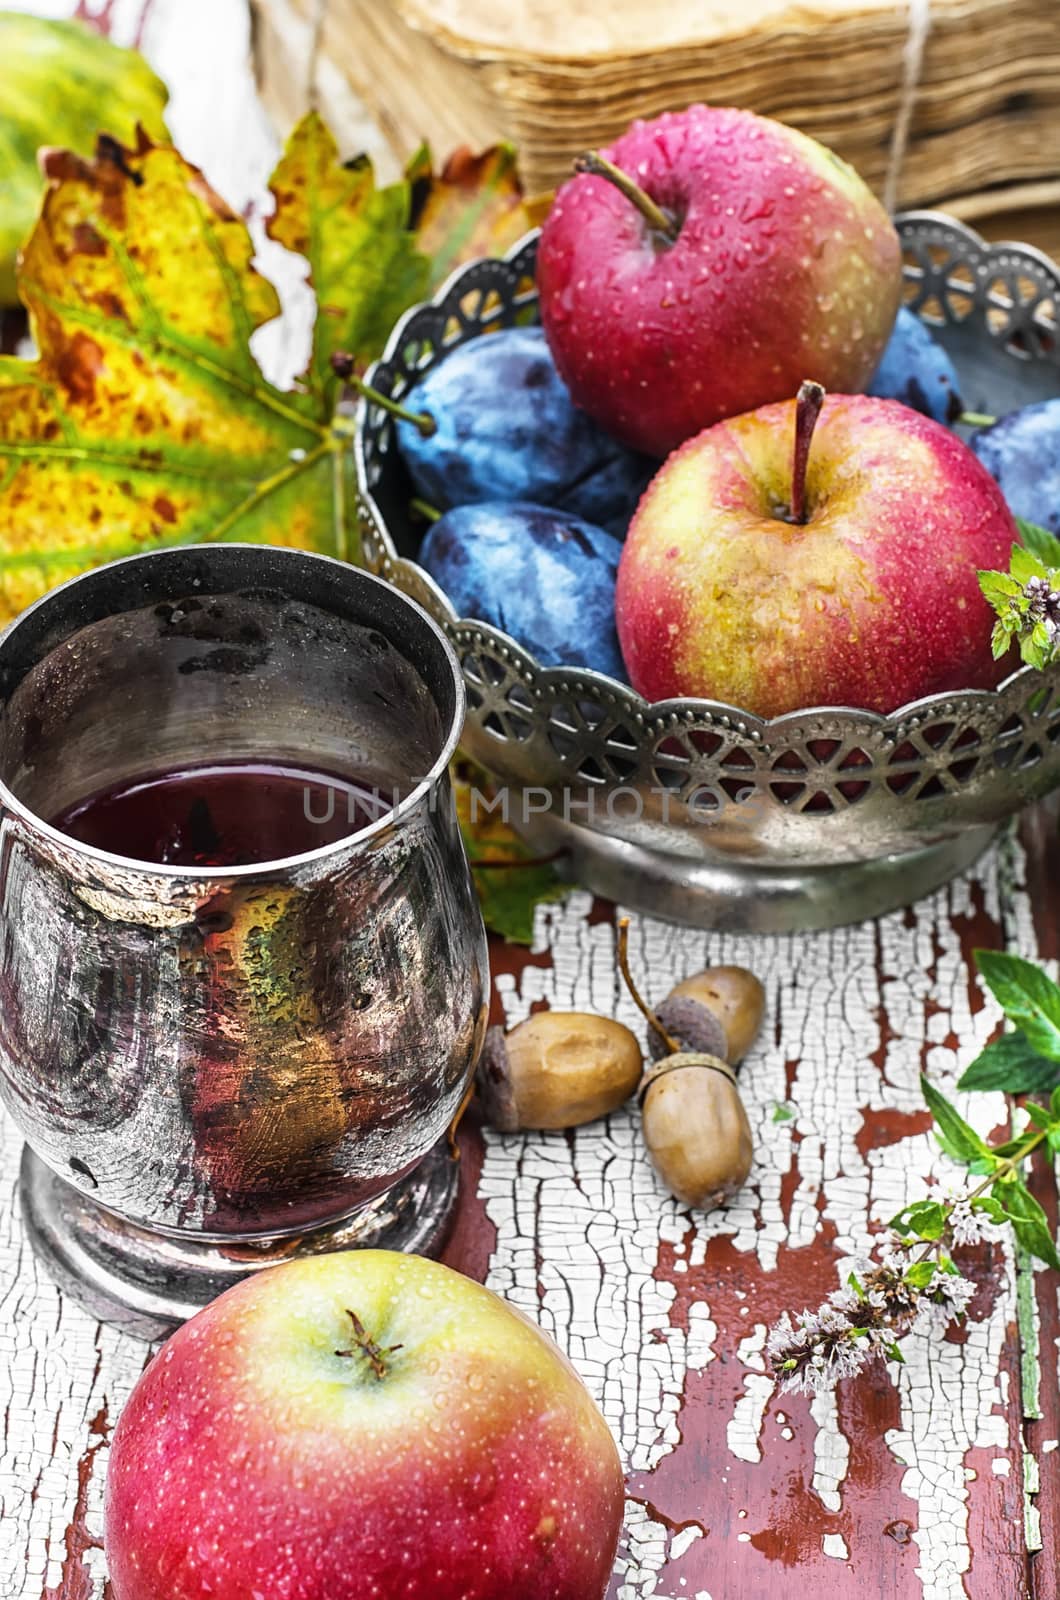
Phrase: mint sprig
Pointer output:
(910, 1281)
(1026, 598)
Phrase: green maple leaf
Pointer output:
(364, 263)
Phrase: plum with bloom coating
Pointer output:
(1022, 452)
(916, 370)
(361, 1426)
(544, 576)
(503, 427)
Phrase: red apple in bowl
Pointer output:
(361, 1426)
(706, 265)
(773, 573)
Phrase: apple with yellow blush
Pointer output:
(819, 551)
(361, 1426)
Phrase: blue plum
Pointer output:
(507, 429)
(543, 576)
(915, 369)
(1022, 452)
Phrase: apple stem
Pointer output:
(342, 365)
(598, 166)
(375, 1354)
(807, 409)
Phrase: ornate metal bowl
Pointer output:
(698, 811)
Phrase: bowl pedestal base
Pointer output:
(147, 1283)
(740, 897)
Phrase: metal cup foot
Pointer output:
(147, 1283)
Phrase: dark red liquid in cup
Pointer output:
(223, 814)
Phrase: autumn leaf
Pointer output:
(515, 881)
(473, 207)
(146, 421)
(60, 82)
(364, 266)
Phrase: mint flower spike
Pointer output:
(885, 1299)
(911, 1283)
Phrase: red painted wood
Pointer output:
(769, 1507)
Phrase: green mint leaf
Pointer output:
(999, 587)
(1025, 564)
(1029, 1221)
(1039, 1115)
(894, 1352)
(1039, 541)
(924, 1218)
(1000, 640)
(920, 1274)
(1053, 1139)
(854, 1282)
(782, 1112)
(1011, 1147)
(948, 1267)
(959, 1141)
(988, 1207)
(1012, 1064)
(1028, 998)
(1054, 1103)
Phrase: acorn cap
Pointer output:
(685, 1059)
(735, 996)
(693, 1026)
(494, 1083)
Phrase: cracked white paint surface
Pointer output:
(831, 1451)
(745, 1424)
(827, 1058)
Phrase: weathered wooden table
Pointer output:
(943, 1483)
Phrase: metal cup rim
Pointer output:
(280, 864)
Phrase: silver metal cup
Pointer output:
(218, 1069)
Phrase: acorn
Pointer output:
(557, 1069)
(696, 1128)
(717, 1012)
